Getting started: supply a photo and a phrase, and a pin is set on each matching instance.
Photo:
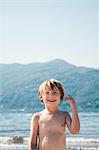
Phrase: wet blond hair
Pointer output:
(52, 84)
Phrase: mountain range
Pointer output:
(19, 84)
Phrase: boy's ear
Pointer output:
(41, 98)
(42, 102)
(61, 97)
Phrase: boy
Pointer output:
(48, 127)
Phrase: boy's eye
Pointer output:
(55, 93)
(46, 92)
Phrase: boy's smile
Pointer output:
(51, 100)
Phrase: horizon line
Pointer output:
(46, 61)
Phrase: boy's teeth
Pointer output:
(51, 100)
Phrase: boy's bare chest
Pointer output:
(52, 122)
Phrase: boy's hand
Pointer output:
(70, 100)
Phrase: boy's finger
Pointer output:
(66, 99)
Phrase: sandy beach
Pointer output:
(72, 144)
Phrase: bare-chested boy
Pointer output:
(48, 127)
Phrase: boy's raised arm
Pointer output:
(73, 123)
(34, 132)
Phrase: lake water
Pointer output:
(18, 124)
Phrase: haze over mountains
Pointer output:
(19, 84)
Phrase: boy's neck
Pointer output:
(51, 110)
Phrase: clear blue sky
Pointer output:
(41, 30)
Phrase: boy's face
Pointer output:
(51, 97)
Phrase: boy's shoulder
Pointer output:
(65, 113)
(35, 116)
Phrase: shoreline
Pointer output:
(71, 144)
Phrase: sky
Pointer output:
(42, 30)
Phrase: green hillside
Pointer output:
(19, 84)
